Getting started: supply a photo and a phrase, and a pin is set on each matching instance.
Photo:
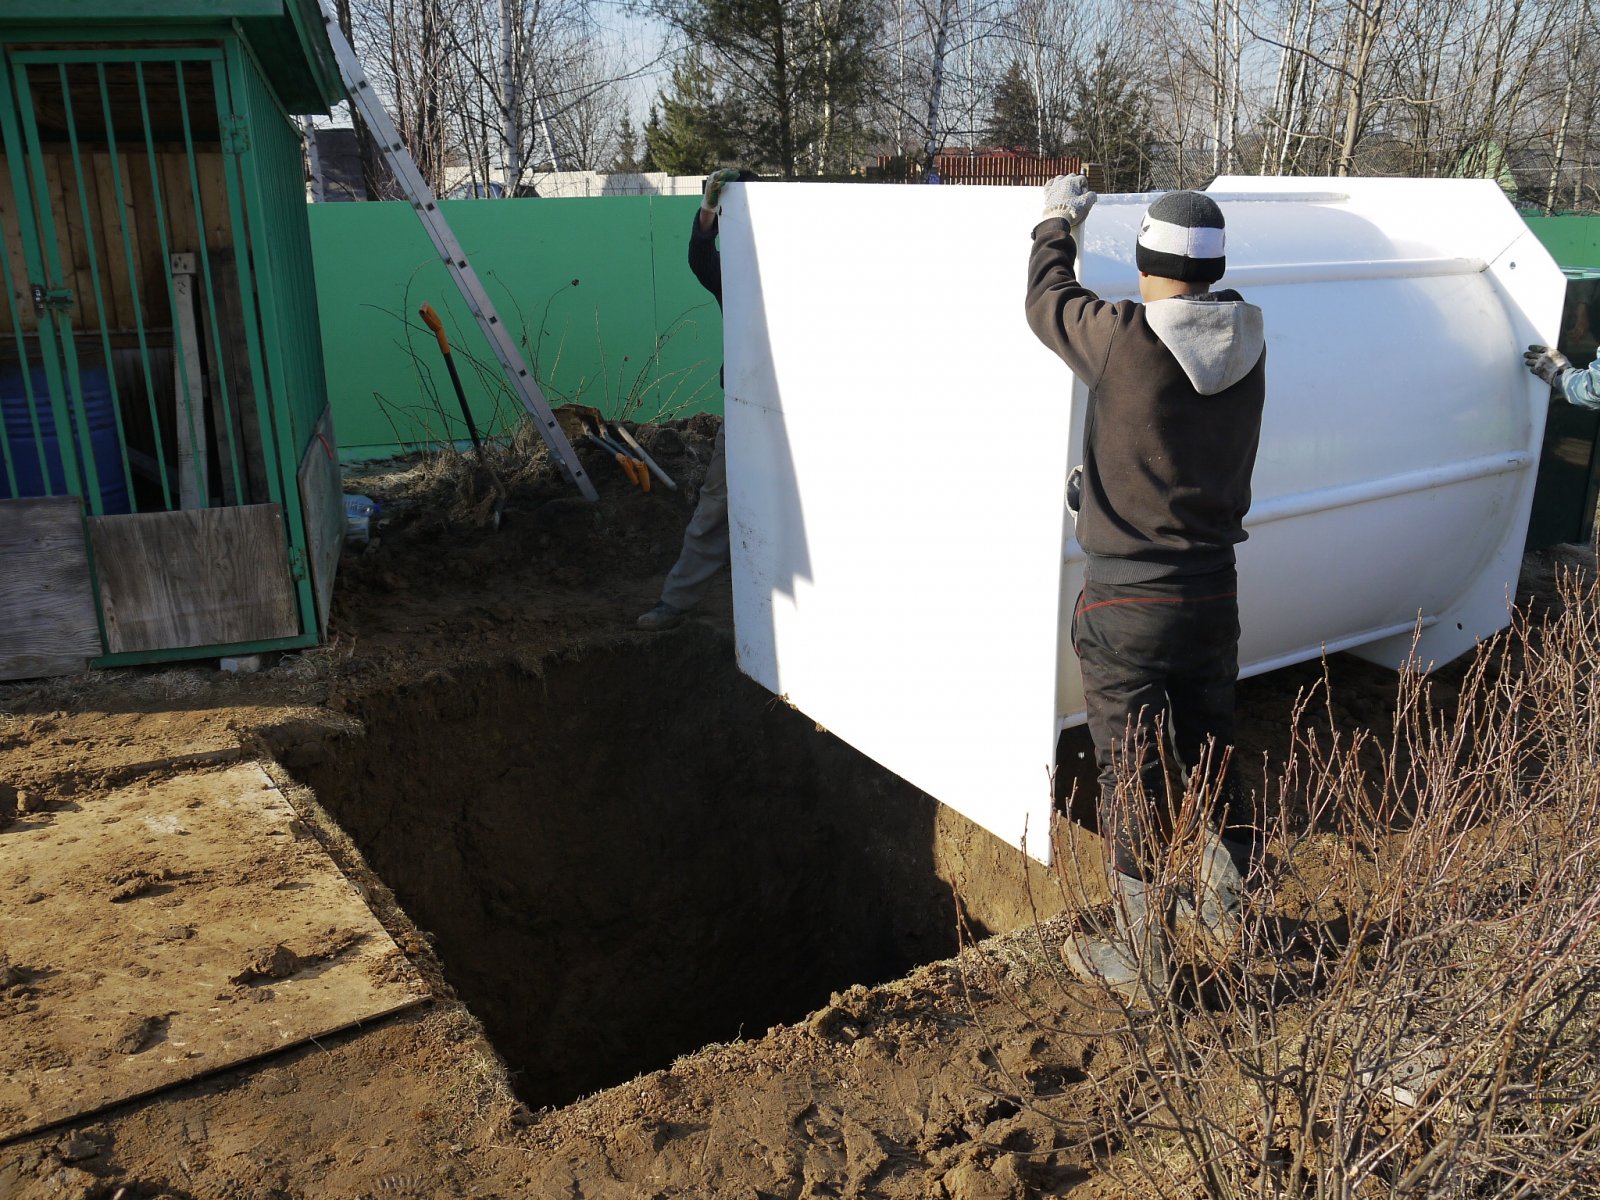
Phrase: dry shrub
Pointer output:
(1411, 1005)
(466, 487)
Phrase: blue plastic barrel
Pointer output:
(17, 421)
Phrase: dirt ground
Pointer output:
(946, 1081)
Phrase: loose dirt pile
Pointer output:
(475, 680)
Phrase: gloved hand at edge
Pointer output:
(711, 198)
(1068, 196)
(1548, 363)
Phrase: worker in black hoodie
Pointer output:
(705, 542)
(1176, 387)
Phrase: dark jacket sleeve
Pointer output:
(704, 259)
(1063, 314)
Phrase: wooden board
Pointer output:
(207, 577)
(12, 222)
(120, 231)
(189, 385)
(129, 920)
(47, 617)
(322, 500)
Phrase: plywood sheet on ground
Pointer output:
(170, 929)
(47, 618)
(204, 577)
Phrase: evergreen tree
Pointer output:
(688, 138)
(798, 75)
(1110, 116)
(626, 161)
(652, 130)
(1014, 118)
(1019, 118)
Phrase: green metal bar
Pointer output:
(161, 231)
(134, 658)
(12, 138)
(253, 100)
(153, 10)
(99, 292)
(292, 244)
(163, 54)
(133, 285)
(250, 295)
(58, 32)
(19, 187)
(68, 391)
(221, 377)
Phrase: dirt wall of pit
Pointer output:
(631, 851)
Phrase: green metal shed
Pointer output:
(168, 475)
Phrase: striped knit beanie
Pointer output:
(1181, 238)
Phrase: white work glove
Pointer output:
(1547, 363)
(711, 198)
(1068, 196)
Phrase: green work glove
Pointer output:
(711, 199)
(1068, 196)
(1547, 363)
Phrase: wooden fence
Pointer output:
(1003, 168)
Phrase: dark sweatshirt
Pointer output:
(1175, 396)
(704, 260)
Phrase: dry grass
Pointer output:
(1411, 1006)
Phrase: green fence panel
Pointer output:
(1572, 239)
(597, 290)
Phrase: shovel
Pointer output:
(432, 321)
(430, 318)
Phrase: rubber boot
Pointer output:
(1216, 902)
(661, 618)
(1132, 962)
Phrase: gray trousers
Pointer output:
(705, 542)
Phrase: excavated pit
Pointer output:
(638, 851)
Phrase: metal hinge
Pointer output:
(297, 563)
(235, 134)
(56, 298)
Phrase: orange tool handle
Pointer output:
(627, 469)
(432, 321)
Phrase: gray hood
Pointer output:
(1215, 341)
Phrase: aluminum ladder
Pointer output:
(424, 204)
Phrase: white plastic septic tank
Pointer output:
(899, 443)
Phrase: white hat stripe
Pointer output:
(1189, 241)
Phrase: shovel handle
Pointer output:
(432, 321)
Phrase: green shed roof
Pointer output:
(287, 36)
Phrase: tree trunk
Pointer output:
(1218, 87)
(549, 137)
(1561, 146)
(510, 100)
(941, 44)
(1296, 93)
(374, 175)
(1280, 93)
(1236, 59)
(825, 133)
(1368, 27)
(784, 101)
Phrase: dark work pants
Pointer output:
(1159, 660)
